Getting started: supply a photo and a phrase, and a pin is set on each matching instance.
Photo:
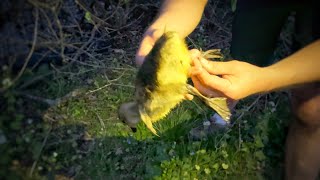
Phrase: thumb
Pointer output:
(145, 47)
(195, 54)
(149, 39)
(218, 68)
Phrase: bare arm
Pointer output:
(181, 16)
(301, 67)
(237, 79)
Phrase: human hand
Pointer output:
(196, 55)
(149, 39)
(233, 79)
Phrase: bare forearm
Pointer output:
(301, 67)
(181, 16)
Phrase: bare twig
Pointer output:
(102, 87)
(38, 155)
(101, 121)
(45, 5)
(95, 18)
(238, 118)
(93, 32)
(35, 33)
(50, 102)
(110, 82)
(40, 77)
(62, 44)
(49, 24)
(123, 85)
(39, 61)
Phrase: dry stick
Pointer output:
(127, 25)
(101, 121)
(39, 61)
(38, 78)
(49, 24)
(51, 31)
(101, 21)
(102, 87)
(193, 43)
(35, 32)
(62, 46)
(73, 59)
(38, 156)
(71, 73)
(202, 109)
(110, 83)
(94, 17)
(50, 102)
(81, 49)
(89, 45)
(123, 85)
(37, 3)
(73, 138)
(113, 13)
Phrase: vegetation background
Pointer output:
(66, 66)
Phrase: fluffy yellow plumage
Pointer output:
(162, 78)
(161, 83)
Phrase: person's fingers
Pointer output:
(197, 84)
(218, 68)
(196, 63)
(195, 54)
(204, 90)
(195, 68)
(194, 71)
(188, 97)
(212, 81)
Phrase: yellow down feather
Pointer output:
(162, 81)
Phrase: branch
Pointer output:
(50, 102)
(35, 33)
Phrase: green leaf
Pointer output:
(207, 171)
(258, 142)
(215, 166)
(225, 166)
(260, 155)
(87, 16)
(233, 5)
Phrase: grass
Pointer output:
(83, 138)
(48, 133)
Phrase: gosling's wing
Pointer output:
(218, 104)
(160, 104)
(147, 121)
(212, 54)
